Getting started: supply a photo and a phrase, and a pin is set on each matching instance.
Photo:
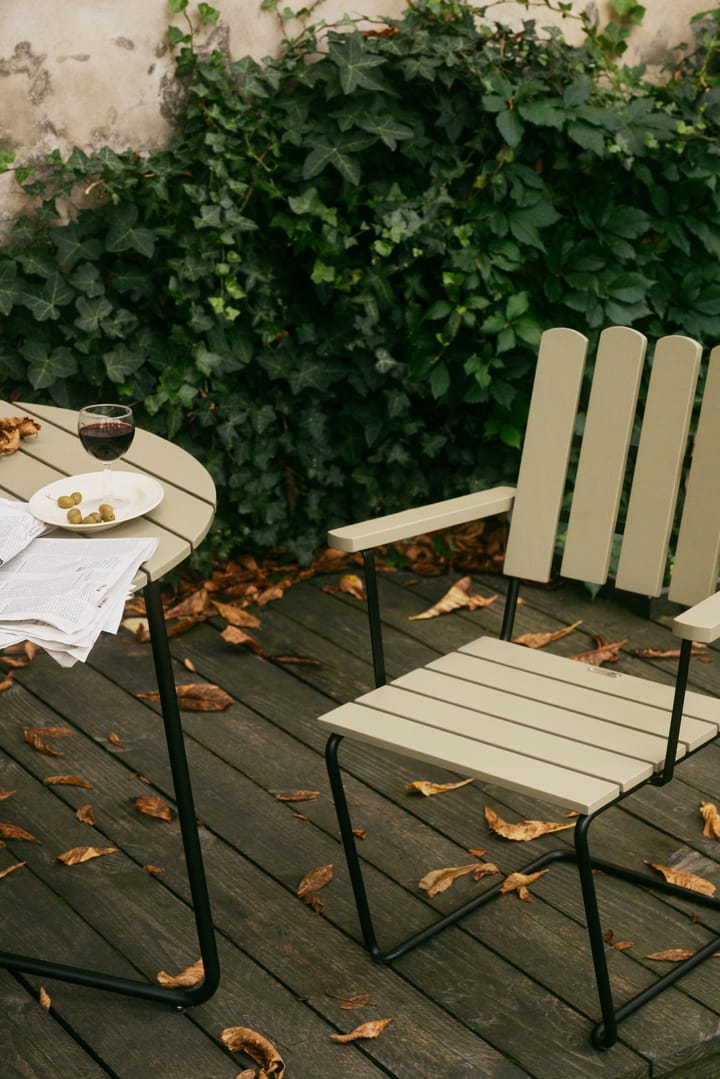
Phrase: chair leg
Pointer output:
(605, 1033)
(179, 998)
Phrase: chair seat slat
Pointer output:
(562, 786)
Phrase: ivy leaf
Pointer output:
(355, 65)
(10, 294)
(45, 368)
(387, 128)
(336, 154)
(120, 363)
(71, 247)
(124, 235)
(46, 304)
(92, 310)
(510, 126)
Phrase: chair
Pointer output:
(568, 733)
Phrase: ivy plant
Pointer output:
(331, 284)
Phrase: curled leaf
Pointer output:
(84, 854)
(236, 616)
(152, 805)
(684, 880)
(523, 830)
(188, 977)
(85, 815)
(366, 1030)
(711, 817)
(6, 794)
(67, 781)
(245, 1040)
(604, 652)
(675, 955)
(44, 999)
(153, 869)
(519, 882)
(11, 869)
(233, 635)
(457, 596)
(424, 786)
(314, 880)
(115, 740)
(12, 831)
(539, 640)
(439, 880)
(295, 796)
(195, 697)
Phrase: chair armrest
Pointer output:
(701, 622)
(396, 526)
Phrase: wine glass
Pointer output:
(106, 432)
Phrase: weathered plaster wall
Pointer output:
(94, 72)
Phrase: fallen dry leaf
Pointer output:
(306, 660)
(12, 429)
(44, 999)
(85, 815)
(245, 1040)
(314, 880)
(698, 649)
(457, 596)
(675, 955)
(295, 796)
(52, 732)
(349, 1004)
(539, 640)
(190, 976)
(116, 740)
(6, 794)
(11, 869)
(424, 786)
(152, 805)
(234, 635)
(7, 682)
(684, 880)
(193, 606)
(189, 665)
(366, 1030)
(352, 585)
(712, 820)
(620, 945)
(360, 833)
(11, 831)
(195, 697)
(478, 852)
(84, 854)
(519, 882)
(236, 616)
(153, 869)
(439, 880)
(523, 830)
(67, 781)
(34, 737)
(139, 627)
(604, 652)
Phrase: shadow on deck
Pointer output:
(508, 993)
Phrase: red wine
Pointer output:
(107, 441)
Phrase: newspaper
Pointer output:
(18, 527)
(62, 593)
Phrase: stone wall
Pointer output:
(94, 72)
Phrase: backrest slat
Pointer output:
(695, 572)
(603, 455)
(546, 449)
(658, 468)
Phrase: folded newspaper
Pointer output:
(62, 593)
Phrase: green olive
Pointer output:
(107, 513)
(92, 519)
(76, 497)
(65, 501)
(74, 516)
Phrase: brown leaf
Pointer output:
(698, 649)
(193, 606)
(116, 740)
(352, 585)
(85, 815)
(477, 852)
(348, 1004)
(52, 732)
(684, 880)
(139, 627)
(314, 880)
(619, 945)
(190, 976)
(6, 794)
(189, 665)
(712, 820)
(519, 882)
(485, 869)
(153, 806)
(360, 833)
(236, 616)
(33, 737)
(366, 1030)
(153, 869)
(424, 786)
(523, 830)
(19, 655)
(7, 682)
(603, 653)
(44, 999)
(458, 595)
(195, 697)
(67, 781)
(233, 635)
(539, 640)
(11, 831)
(11, 869)
(439, 880)
(304, 660)
(295, 796)
(84, 854)
(245, 1040)
(675, 955)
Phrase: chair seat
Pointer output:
(529, 721)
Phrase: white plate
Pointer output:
(133, 495)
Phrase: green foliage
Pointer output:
(331, 284)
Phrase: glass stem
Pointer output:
(107, 482)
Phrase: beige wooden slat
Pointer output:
(701, 622)
(695, 571)
(565, 787)
(701, 713)
(473, 693)
(413, 522)
(603, 455)
(663, 441)
(546, 448)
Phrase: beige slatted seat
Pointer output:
(573, 734)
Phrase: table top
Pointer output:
(180, 521)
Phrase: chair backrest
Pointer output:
(659, 474)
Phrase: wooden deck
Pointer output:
(507, 994)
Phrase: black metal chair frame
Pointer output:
(180, 998)
(604, 1033)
